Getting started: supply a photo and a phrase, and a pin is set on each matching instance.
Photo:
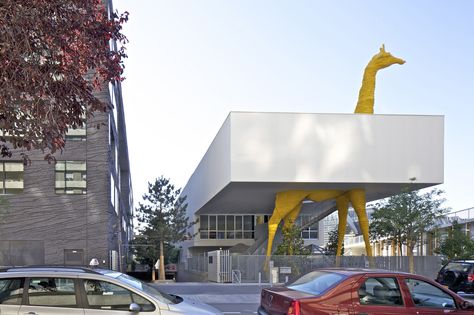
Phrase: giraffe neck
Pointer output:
(365, 104)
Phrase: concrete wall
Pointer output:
(336, 148)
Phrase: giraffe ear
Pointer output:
(382, 49)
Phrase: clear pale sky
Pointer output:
(192, 62)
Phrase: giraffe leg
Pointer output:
(273, 223)
(291, 217)
(357, 197)
(285, 203)
(342, 204)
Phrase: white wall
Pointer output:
(336, 148)
(212, 173)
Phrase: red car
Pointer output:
(361, 291)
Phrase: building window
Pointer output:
(71, 177)
(11, 178)
(227, 226)
(77, 134)
(309, 231)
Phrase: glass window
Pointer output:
(316, 282)
(11, 179)
(238, 222)
(204, 222)
(221, 223)
(425, 294)
(71, 177)
(78, 133)
(248, 222)
(11, 291)
(380, 291)
(52, 292)
(230, 223)
(212, 222)
(108, 296)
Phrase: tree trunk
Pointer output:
(162, 262)
(411, 259)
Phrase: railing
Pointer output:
(253, 268)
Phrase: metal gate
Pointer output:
(219, 266)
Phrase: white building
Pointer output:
(255, 155)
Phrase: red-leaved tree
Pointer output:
(53, 55)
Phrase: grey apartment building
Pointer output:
(77, 209)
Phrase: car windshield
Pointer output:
(142, 286)
(317, 282)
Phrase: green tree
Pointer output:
(292, 243)
(457, 245)
(406, 216)
(331, 246)
(147, 252)
(162, 218)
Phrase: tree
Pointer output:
(405, 217)
(162, 218)
(457, 245)
(147, 253)
(331, 246)
(292, 243)
(53, 56)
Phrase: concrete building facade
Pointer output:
(76, 209)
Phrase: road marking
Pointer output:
(231, 312)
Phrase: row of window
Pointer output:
(243, 226)
(227, 226)
(70, 177)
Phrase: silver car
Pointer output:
(85, 291)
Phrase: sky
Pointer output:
(192, 62)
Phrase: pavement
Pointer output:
(229, 298)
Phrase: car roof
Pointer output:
(361, 271)
(62, 269)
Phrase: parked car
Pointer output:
(171, 270)
(361, 291)
(85, 291)
(458, 275)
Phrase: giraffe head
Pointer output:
(385, 59)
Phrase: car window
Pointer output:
(108, 296)
(58, 292)
(380, 291)
(11, 291)
(458, 266)
(316, 282)
(425, 294)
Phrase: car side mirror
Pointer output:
(135, 308)
(465, 305)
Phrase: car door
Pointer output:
(106, 298)
(51, 296)
(378, 295)
(11, 295)
(428, 299)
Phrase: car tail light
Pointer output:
(470, 277)
(294, 308)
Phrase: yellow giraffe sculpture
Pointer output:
(365, 104)
(288, 203)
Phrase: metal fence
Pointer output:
(254, 268)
